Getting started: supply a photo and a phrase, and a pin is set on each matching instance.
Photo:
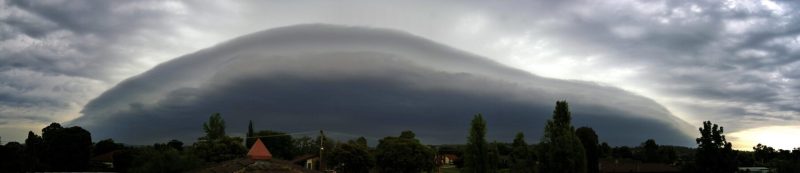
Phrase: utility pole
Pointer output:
(321, 148)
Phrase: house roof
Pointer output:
(259, 151)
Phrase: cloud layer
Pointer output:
(357, 80)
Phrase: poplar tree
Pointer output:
(476, 155)
(561, 150)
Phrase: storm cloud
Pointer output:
(733, 62)
(368, 81)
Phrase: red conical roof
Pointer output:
(259, 151)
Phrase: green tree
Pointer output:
(249, 140)
(404, 154)
(589, 141)
(216, 146)
(476, 155)
(521, 156)
(215, 127)
(352, 156)
(714, 153)
(560, 149)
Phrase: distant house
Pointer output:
(446, 159)
(627, 165)
(308, 161)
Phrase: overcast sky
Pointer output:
(732, 62)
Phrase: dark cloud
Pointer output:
(365, 81)
(734, 60)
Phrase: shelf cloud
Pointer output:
(370, 81)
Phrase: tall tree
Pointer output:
(403, 154)
(560, 149)
(714, 153)
(215, 127)
(249, 140)
(589, 140)
(520, 155)
(476, 156)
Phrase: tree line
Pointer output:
(562, 148)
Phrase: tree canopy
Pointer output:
(352, 156)
(714, 153)
(215, 127)
(521, 159)
(403, 154)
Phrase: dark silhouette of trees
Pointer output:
(714, 153)
(34, 147)
(164, 159)
(476, 155)
(494, 157)
(352, 156)
(105, 146)
(560, 149)
(651, 154)
(604, 150)
(403, 154)
(14, 159)
(589, 140)
(215, 127)
(68, 149)
(521, 159)
(249, 140)
(175, 144)
(763, 154)
(781, 160)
